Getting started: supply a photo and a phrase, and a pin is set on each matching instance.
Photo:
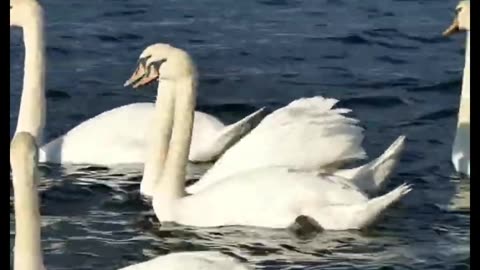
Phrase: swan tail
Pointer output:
(371, 212)
(372, 176)
(51, 151)
(230, 135)
(234, 132)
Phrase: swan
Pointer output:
(461, 144)
(270, 197)
(113, 137)
(28, 251)
(286, 137)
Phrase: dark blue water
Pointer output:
(384, 59)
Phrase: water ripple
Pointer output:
(385, 59)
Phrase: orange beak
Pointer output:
(142, 76)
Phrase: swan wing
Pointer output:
(307, 134)
(117, 136)
(209, 144)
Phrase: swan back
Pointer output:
(23, 159)
(307, 134)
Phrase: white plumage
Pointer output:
(283, 169)
(200, 260)
(118, 136)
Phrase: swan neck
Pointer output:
(158, 137)
(172, 183)
(27, 250)
(466, 69)
(464, 110)
(31, 117)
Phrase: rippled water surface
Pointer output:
(385, 59)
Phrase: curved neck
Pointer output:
(31, 117)
(158, 137)
(174, 173)
(165, 167)
(27, 250)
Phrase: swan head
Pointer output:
(23, 154)
(23, 12)
(163, 62)
(461, 20)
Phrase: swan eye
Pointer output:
(457, 11)
(143, 61)
(157, 64)
(11, 7)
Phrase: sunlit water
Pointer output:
(384, 59)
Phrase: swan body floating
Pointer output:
(117, 136)
(461, 144)
(271, 196)
(285, 138)
(288, 137)
(112, 137)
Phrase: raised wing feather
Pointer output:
(306, 134)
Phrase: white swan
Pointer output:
(295, 136)
(461, 145)
(27, 252)
(265, 197)
(288, 137)
(115, 136)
